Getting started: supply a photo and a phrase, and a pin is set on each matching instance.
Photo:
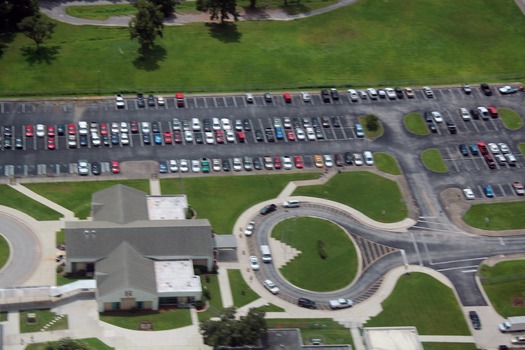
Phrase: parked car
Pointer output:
(467, 89)
(83, 168)
(306, 96)
(518, 187)
(354, 97)
(119, 101)
(428, 92)
(409, 92)
(463, 149)
(334, 93)
(369, 159)
(489, 192)
(469, 194)
(115, 167)
(438, 118)
(465, 115)
(341, 303)
(271, 286)
(254, 263)
(325, 96)
(307, 303)
(474, 319)
(507, 90)
(485, 88)
(359, 132)
(270, 208)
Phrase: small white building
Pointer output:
(392, 338)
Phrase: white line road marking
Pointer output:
(501, 241)
(460, 260)
(469, 271)
(457, 268)
(417, 249)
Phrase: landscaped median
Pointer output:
(496, 216)
(433, 160)
(415, 124)
(386, 163)
(511, 119)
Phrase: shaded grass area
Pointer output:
(309, 270)
(100, 12)
(375, 36)
(419, 300)
(218, 198)
(161, 321)
(511, 119)
(496, 216)
(44, 317)
(3, 316)
(270, 308)
(242, 293)
(371, 134)
(415, 124)
(4, 251)
(360, 190)
(433, 160)
(92, 343)
(521, 146)
(211, 283)
(386, 163)
(330, 331)
(13, 199)
(76, 196)
(450, 346)
(502, 282)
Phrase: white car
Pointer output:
(306, 96)
(183, 166)
(505, 90)
(483, 113)
(41, 130)
(271, 286)
(358, 159)
(464, 114)
(174, 167)
(210, 140)
(249, 97)
(469, 194)
(277, 123)
(237, 164)
(119, 101)
(188, 136)
(493, 148)
(510, 158)
(390, 93)
(437, 117)
(369, 159)
(299, 134)
(83, 167)
(124, 127)
(144, 126)
(249, 229)
(216, 124)
(176, 124)
(372, 93)
(124, 139)
(82, 128)
(216, 164)
(238, 125)
(72, 141)
(226, 125)
(230, 136)
(310, 134)
(161, 101)
(254, 263)
(195, 166)
(504, 148)
(328, 162)
(381, 93)
(195, 124)
(95, 139)
(428, 92)
(287, 163)
(500, 158)
(353, 95)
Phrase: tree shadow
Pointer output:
(150, 59)
(42, 54)
(5, 38)
(226, 32)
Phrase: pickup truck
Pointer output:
(341, 303)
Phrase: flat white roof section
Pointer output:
(176, 277)
(167, 207)
(392, 338)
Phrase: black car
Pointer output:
(268, 209)
(8, 143)
(476, 323)
(451, 127)
(198, 138)
(61, 129)
(155, 127)
(336, 122)
(257, 163)
(151, 101)
(325, 95)
(485, 88)
(463, 149)
(19, 143)
(206, 125)
(348, 158)
(432, 127)
(268, 97)
(296, 122)
(335, 94)
(428, 117)
(307, 303)
(95, 168)
(316, 122)
(226, 166)
(140, 101)
(399, 92)
(475, 113)
(146, 138)
(105, 140)
(259, 135)
(270, 137)
(246, 125)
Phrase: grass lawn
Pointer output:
(4, 251)
(450, 346)
(309, 270)
(242, 293)
(76, 196)
(502, 282)
(433, 160)
(209, 196)
(215, 301)
(521, 145)
(419, 300)
(101, 12)
(511, 119)
(270, 308)
(369, 134)
(326, 329)
(386, 163)
(373, 35)
(16, 200)
(61, 279)
(415, 124)
(43, 318)
(3, 316)
(360, 190)
(161, 321)
(501, 216)
(92, 343)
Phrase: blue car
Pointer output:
(279, 133)
(157, 138)
(115, 140)
(488, 191)
(146, 138)
(163, 167)
(463, 149)
(473, 149)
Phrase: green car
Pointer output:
(205, 165)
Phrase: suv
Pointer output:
(292, 203)
(334, 93)
(485, 88)
(268, 209)
(325, 96)
(307, 303)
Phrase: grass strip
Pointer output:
(433, 160)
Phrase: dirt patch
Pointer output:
(518, 301)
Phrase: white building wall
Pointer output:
(127, 293)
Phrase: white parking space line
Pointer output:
(224, 100)
(214, 102)
(234, 101)
(502, 190)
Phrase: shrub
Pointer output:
(321, 249)
(372, 122)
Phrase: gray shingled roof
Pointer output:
(125, 268)
(157, 239)
(119, 204)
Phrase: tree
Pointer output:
(167, 7)
(13, 11)
(38, 28)
(231, 332)
(222, 9)
(146, 25)
(372, 122)
(68, 344)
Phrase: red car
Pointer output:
(493, 111)
(134, 126)
(298, 161)
(51, 143)
(219, 136)
(240, 136)
(104, 129)
(50, 131)
(180, 99)
(168, 139)
(29, 131)
(290, 134)
(115, 167)
(483, 148)
(72, 129)
(177, 136)
(287, 97)
(490, 161)
(277, 163)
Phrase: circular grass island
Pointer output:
(327, 259)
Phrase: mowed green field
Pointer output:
(368, 43)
